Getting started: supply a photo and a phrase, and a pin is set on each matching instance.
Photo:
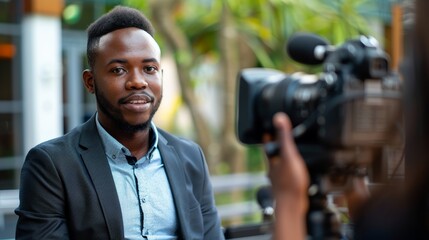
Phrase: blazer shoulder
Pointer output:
(175, 140)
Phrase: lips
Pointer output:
(137, 99)
(137, 102)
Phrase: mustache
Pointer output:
(137, 96)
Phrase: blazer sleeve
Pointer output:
(41, 213)
(212, 227)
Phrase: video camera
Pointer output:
(353, 103)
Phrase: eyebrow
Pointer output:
(118, 60)
(115, 60)
(150, 60)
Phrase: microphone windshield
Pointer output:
(301, 48)
(264, 196)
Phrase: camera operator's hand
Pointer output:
(290, 179)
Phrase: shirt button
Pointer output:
(114, 156)
(143, 200)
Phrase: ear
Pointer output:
(88, 80)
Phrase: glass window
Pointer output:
(7, 53)
(10, 149)
(7, 135)
(10, 109)
(10, 11)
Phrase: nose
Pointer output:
(136, 81)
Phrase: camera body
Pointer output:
(354, 102)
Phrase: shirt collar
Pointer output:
(114, 148)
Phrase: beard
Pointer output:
(115, 115)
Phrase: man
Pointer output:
(118, 176)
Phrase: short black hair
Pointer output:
(119, 17)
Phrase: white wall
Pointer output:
(42, 79)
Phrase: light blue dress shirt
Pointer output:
(143, 190)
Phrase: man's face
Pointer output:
(126, 79)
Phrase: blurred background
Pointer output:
(204, 43)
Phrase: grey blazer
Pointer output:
(67, 189)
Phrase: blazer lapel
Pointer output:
(93, 155)
(176, 178)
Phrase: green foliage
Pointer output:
(138, 4)
(255, 159)
(265, 25)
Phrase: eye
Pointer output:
(150, 69)
(118, 70)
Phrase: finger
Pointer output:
(276, 150)
(284, 126)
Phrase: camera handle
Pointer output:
(322, 221)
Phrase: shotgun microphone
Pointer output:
(307, 48)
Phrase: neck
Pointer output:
(136, 141)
